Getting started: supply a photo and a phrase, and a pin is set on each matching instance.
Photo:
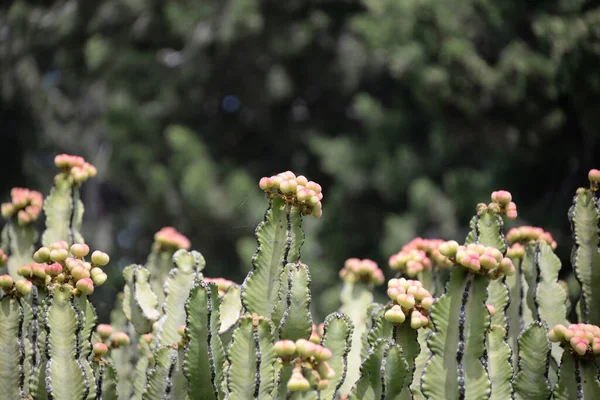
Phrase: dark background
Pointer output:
(407, 112)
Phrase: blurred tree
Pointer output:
(408, 112)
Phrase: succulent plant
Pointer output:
(463, 321)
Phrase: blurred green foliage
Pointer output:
(407, 112)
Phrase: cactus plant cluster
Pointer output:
(477, 320)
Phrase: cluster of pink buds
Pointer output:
(169, 238)
(584, 339)
(109, 340)
(297, 190)
(525, 234)
(594, 177)
(479, 258)
(366, 271)
(501, 204)
(317, 333)
(25, 204)
(516, 251)
(54, 264)
(409, 300)
(75, 168)
(222, 284)
(419, 255)
(307, 358)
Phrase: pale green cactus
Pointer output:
(474, 326)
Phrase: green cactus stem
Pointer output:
(106, 378)
(584, 216)
(499, 363)
(188, 267)
(337, 337)
(279, 238)
(456, 368)
(64, 213)
(383, 373)
(251, 360)
(578, 379)
(12, 368)
(144, 362)
(159, 381)
(140, 304)
(531, 380)
(231, 307)
(65, 369)
(204, 355)
(296, 319)
(18, 243)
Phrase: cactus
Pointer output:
(475, 325)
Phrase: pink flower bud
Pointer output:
(6, 281)
(24, 287)
(181, 330)
(120, 339)
(288, 186)
(85, 286)
(23, 217)
(491, 309)
(80, 272)
(301, 179)
(59, 255)
(297, 382)
(38, 270)
(594, 175)
(265, 183)
(323, 354)
(104, 330)
(325, 371)
(42, 255)
(100, 349)
(502, 197)
(395, 315)
(80, 250)
(284, 348)
(7, 210)
(24, 271)
(99, 258)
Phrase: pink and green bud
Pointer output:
(80, 250)
(24, 287)
(325, 371)
(284, 348)
(104, 331)
(395, 315)
(120, 339)
(407, 301)
(297, 382)
(100, 349)
(42, 255)
(265, 183)
(23, 217)
(7, 210)
(491, 309)
(85, 286)
(502, 197)
(100, 258)
(59, 245)
(99, 279)
(288, 186)
(449, 248)
(59, 255)
(322, 354)
(80, 272)
(181, 331)
(301, 179)
(38, 270)
(305, 348)
(322, 384)
(507, 266)
(54, 269)
(511, 210)
(25, 271)
(6, 281)
(594, 176)
(427, 302)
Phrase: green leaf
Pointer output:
(177, 289)
(231, 307)
(251, 372)
(584, 216)
(382, 374)
(203, 350)
(12, 369)
(159, 378)
(20, 242)
(499, 364)
(337, 337)
(140, 304)
(531, 381)
(296, 322)
(278, 244)
(66, 375)
(460, 321)
(64, 213)
(356, 298)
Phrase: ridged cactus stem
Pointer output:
(12, 369)
(584, 216)
(19, 244)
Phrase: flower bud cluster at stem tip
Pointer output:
(25, 204)
(419, 255)
(501, 204)
(409, 300)
(169, 238)
(525, 234)
(305, 356)
(222, 284)
(297, 190)
(75, 168)
(59, 264)
(582, 339)
(365, 271)
(480, 259)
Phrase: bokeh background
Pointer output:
(408, 112)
